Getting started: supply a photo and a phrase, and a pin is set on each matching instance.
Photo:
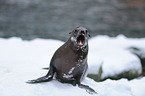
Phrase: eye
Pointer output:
(86, 31)
(76, 30)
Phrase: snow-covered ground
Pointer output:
(23, 60)
(113, 55)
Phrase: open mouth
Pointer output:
(81, 40)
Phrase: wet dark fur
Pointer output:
(69, 62)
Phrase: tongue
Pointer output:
(80, 42)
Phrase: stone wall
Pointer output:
(31, 19)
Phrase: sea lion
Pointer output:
(69, 62)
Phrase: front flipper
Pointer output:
(88, 89)
(41, 79)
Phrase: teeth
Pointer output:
(80, 40)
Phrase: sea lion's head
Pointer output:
(79, 37)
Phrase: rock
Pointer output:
(118, 64)
(110, 58)
(140, 52)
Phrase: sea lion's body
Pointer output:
(69, 62)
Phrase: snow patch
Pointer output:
(22, 60)
(113, 55)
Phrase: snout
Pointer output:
(82, 32)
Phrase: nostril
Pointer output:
(82, 32)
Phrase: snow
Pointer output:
(23, 60)
(113, 55)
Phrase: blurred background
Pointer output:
(30, 19)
